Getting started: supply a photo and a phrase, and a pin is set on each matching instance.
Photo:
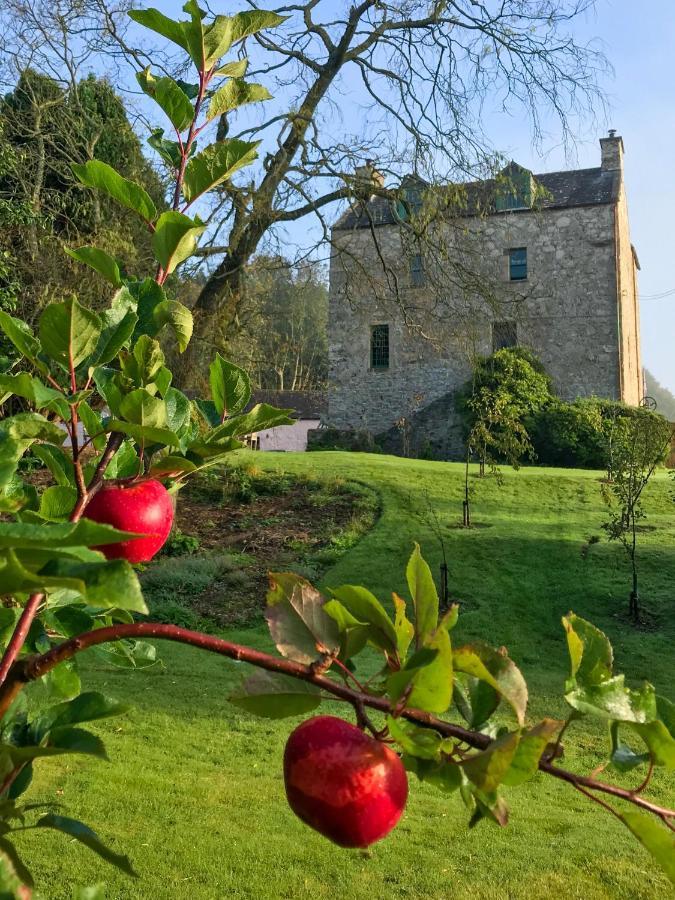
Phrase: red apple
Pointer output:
(346, 785)
(144, 508)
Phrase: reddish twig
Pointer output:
(18, 638)
(29, 669)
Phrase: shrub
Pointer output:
(579, 434)
(569, 434)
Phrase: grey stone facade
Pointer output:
(577, 308)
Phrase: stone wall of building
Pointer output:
(566, 312)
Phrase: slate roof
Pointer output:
(580, 187)
(305, 404)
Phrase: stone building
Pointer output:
(543, 261)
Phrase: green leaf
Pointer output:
(30, 388)
(16, 495)
(20, 535)
(142, 365)
(235, 69)
(613, 700)
(367, 610)
(424, 743)
(261, 417)
(87, 707)
(93, 425)
(99, 175)
(432, 683)
(204, 455)
(102, 262)
(57, 502)
(175, 238)
(142, 408)
(23, 338)
(666, 713)
(129, 654)
(106, 383)
(230, 387)
(476, 700)
(297, 620)
(276, 696)
(171, 466)
(117, 328)
(233, 94)
(58, 463)
(590, 651)
(424, 596)
(169, 96)
(69, 332)
(86, 836)
(489, 805)
(443, 774)
(660, 742)
(156, 21)
(228, 30)
(63, 681)
(145, 434)
(20, 432)
(215, 164)
(489, 665)
(107, 585)
(656, 839)
(488, 768)
(142, 297)
(178, 318)
(405, 630)
(533, 742)
(399, 681)
(178, 410)
(168, 150)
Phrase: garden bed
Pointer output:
(235, 525)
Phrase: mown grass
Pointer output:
(194, 791)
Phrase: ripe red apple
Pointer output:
(343, 783)
(144, 508)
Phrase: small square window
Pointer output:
(379, 347)
(504, 334)
(518, 264)
(416, 270)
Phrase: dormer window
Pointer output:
(411, 198)
(515, 188)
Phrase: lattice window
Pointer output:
(504, 334)
(518, 264)
(379, 347)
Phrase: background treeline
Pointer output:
(45, 128)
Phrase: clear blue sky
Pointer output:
(639, 41)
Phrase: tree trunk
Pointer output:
(215, 317)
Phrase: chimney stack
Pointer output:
(611, 149)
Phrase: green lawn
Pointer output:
(194, 791)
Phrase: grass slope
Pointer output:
(194, 790)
